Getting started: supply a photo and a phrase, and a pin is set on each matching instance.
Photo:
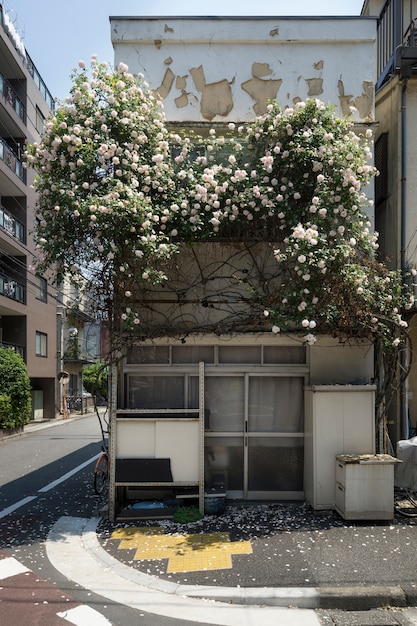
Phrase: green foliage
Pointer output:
(95, 380)
(6, 412)
(16, 400)
(187, 514)
(115, 200)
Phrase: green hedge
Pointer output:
(15, 398)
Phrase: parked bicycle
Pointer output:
(101, 469)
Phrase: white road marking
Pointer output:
(16, 505)
(74, 550)
(84, 616)
(11, 567)
(58, 481)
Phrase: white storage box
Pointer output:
(365, 486)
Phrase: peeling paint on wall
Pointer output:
(259, 89)
(315, 87)
(216, 98)
(165, 87)
(180, 84)
(247, 63)
(363, 103)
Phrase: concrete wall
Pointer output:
(225, 69)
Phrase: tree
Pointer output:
(15, 398)
(95, 380)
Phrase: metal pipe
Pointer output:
(403, 218)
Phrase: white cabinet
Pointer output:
(339, 419)
(365, 486)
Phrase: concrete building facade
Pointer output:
(27, 302)
(253, 393)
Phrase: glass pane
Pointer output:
(192, 354)
(284, 354)
(155, 392)
(239, 354)
(224, 403)
(275, 465)
(149, 355)
(224, 462)
(276, 404)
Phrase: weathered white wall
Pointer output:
(225, 69)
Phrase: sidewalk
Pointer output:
(276, 555)
(35, 425)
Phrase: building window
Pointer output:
(41, 348)
(381, 164)
(43, 289)
(40, 121)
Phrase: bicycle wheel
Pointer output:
(101, 472)
(405, 503)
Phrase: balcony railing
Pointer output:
(9, 157)
(12, 98)
(13, 346)
(18, 44)
(396, 40)
(11, 225)
(12, 289)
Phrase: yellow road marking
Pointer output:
(185, 553)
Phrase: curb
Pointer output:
(46, 423)
(348, 598)
(362, 598)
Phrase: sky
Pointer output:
(57, 34)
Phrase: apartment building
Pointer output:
(28, 322)
(395, 158)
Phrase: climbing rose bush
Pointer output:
(104, 178)
(118, 193)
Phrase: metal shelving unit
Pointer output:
(159, 448)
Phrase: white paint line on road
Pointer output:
(95, 570)
(68, 474)
(11, 567)
(58, 481)
(16, 505)
(84, 616)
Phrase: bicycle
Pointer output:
(101, 468)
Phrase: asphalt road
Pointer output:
(31, 469)
(46, 474)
